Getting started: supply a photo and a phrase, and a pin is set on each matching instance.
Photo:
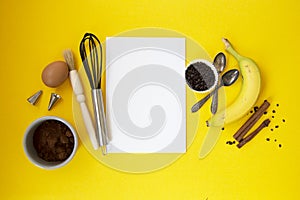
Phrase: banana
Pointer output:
(248, 95)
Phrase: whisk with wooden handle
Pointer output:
(78, 91)
(91, 56)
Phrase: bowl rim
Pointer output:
(34, 124)
(211, 66)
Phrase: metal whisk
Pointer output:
(91, 56)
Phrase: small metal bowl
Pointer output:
(211, 84)
(31, 152)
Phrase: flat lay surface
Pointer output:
(34, 34)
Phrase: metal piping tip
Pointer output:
(35, 97)
(53, 99)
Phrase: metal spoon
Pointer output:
(219, 63)
(227, 79)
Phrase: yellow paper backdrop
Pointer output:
(34, 33)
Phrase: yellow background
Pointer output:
(34, 33)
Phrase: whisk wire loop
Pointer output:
(93, 62)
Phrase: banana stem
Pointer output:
(230, 49)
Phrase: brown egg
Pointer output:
(55, 73)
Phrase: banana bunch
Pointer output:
(248, 95)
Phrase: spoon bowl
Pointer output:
(220, 62)
(230, 77)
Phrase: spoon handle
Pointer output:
(215, 98)
(214, 102)
(200, 103)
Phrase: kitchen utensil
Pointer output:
(228, 79)
(53, 100)
(92, 61)
(34, 98)
(78, 91)
(219, 63)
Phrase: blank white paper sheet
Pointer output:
(145, 95)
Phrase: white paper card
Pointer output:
(145, 95)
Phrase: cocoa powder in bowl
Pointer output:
(50, 142)
(53, 141)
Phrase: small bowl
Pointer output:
(31, 152)
(214, 75)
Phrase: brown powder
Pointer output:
(53, 141)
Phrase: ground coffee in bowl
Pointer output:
(201, 76)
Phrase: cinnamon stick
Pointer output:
(251, 121)
(254, 133)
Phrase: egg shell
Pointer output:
(55, 73)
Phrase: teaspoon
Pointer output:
(228, 79)
(219, 63)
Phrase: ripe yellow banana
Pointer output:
(249, 91)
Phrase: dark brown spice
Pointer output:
(280, 145)
(277, 105)
(255, 108)
(272, 116)
(245, 140)
(283, 120)
(199, 76)
(265, 113)
(53, 141)
(230, 142)
(223, 129)
(273, 111)
(251, 121)
(276, 126)
(272, 129)
(268, 139)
